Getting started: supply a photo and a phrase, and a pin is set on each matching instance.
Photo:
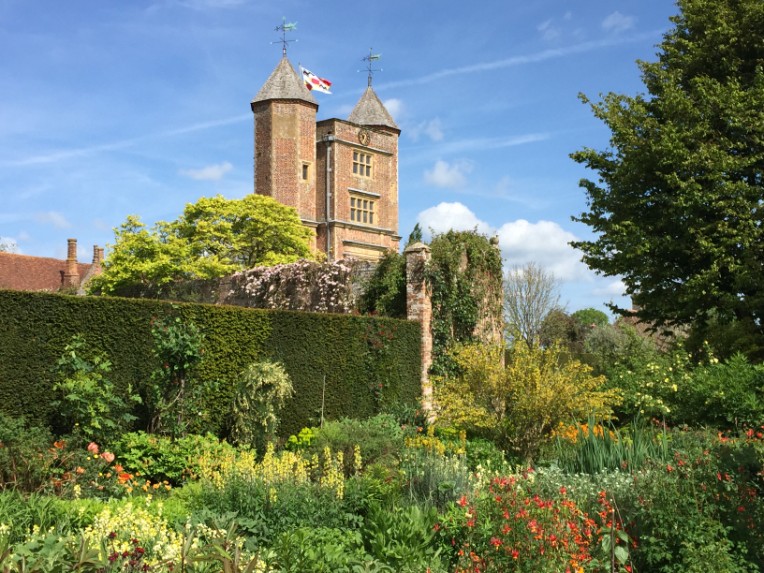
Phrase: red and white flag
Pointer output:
(314, 83)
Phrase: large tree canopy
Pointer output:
(678, 201)
(213, 237)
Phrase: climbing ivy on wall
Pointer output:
(464, 273)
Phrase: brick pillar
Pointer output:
(72, 275)
(419, 308)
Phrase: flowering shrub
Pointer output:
(702, 508)
(303, 285)
(508, 527)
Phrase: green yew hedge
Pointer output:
(369, 363)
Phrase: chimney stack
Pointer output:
(97, 255)
(72, 275)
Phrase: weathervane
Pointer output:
(284, 28)
(369, 66)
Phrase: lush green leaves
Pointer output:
(213, 237)
(678, 200)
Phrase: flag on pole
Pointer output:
(314, 83)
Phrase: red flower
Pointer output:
(462, 501)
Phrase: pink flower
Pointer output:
(93, 448)
(108, 456)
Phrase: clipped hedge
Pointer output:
(368, 362)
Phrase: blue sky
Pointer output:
(114, 108)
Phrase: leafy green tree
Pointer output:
(212, 238)
(415, 236)
(589, 317)
(678, 201)
(558, 327)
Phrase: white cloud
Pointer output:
(394, 106)
(617, 22)
(447, 216)
(8, 245)
(448, 175)
(612, 289)
(545, 243)
(208, 173)
(548, 31)
(53, 218)
(431, 129)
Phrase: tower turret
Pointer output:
(285, 141)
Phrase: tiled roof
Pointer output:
(370, 111)
(284, 83)
(23, 272)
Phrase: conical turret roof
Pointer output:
(370, 111)
(284, 83)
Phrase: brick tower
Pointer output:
(340, 175)
(285, 141)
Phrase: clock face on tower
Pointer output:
(363, 136)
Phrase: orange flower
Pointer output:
(79, 470)
(108, 457)
(93, 448)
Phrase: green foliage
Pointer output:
(697, 512)
(726, 394)
(404, 538)
(265, 511)
(380, 438)
(598, 448)
(22, 467)
(433, 476)
(465, 275)
(385, 291)
(589, 317)
(88, 402)
(558, 327)
(676, 207)
(319, 550)
(260, 396)
(35, 328)
(415, 236)
(174, 393)
(610, 347)
(212, 238)
(160, 458)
